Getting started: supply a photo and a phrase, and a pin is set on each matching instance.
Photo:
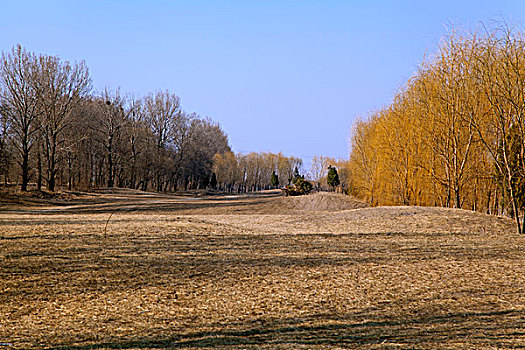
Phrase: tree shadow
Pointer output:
(496, 328)
(214, 205)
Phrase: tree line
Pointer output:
(254, 171)
(55, 131)
(261, 171)
(454, 135)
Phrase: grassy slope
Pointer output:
(255, 272)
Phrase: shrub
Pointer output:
(300, 187)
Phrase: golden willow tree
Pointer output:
(454, 135)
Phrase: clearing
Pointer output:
(255, 271)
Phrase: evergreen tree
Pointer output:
(332, 177)
(296, 175)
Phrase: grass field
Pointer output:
(131, 270)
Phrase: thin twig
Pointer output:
(107, 222)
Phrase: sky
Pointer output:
(288, 76)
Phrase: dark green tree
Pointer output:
(332, 177)
(274, 180)
(296, 175)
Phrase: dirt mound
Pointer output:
(324, 201)
(12, 197)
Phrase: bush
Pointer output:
(300, 187)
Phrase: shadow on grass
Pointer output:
(497, 328)
(213, 204)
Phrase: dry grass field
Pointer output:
(255, 271)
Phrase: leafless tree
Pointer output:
(163, 116)
(21, 103)
(63, 85)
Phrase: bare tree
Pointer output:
(5, 152)
(502, 68)
(63, 86)
(163, 116)
(135, 134)
(21, 102)
(48, 115)
(318, 170)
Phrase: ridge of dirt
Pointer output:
(323, 201)
(11, 198)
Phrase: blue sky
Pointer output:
(287, 76)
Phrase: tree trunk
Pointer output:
(51, 163)
(110, 162)
(523, 229)
(25, 169)
(51, 183)
(70, 174)
(516, 211)
(457, 198)
(39, 169)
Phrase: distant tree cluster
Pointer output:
(299, 186)
(329, 174)
(55, 132)
(455, 134)
(254, 171)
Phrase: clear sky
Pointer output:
(287, 76)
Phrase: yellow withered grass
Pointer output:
(256, 271)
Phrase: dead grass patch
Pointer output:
(322, 201)
(251, 272)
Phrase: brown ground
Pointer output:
(255, 271)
